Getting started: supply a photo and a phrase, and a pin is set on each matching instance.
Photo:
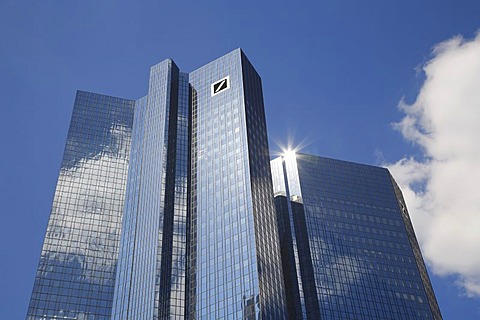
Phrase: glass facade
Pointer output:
(164, 209)
(351, 221)
(76, 274)
(184, 174)
(235, 257)
(152, 260)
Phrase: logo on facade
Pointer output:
(220, 85)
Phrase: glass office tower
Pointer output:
(164, 209)
(163, 206)
(76, 273)
(235, 270)
(152, 260)
(348, 246)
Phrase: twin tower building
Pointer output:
(168, 207)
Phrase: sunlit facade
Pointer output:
(348, 246)
(235, 255)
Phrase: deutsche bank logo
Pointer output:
(220, 85)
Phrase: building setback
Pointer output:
(165, 209)
(348, 247)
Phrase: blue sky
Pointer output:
(334, 73)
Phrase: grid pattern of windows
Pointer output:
(175, 247)
(296, 257)
(129, 224)
(272, 292)
(432, 300)
(154, 224)
(363, 263)
(76, 274)
(290, 265)
(228, 255)
(200, 237)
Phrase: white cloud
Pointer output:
(442, 190)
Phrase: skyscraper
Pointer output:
(348, 246)
(163, 207)
(76, 273)
(235, 254)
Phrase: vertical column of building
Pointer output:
(165, 232)
(144, 267)
(191, 285)
(224, 281)
(232, 218)
(179, 278)
(272, 292)
(173, 294)
(127, 250)
(296, 255)
(288, 241)
(76, 273)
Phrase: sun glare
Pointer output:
(289, 154)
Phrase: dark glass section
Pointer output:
(289, 267)
(272, 292)
(175, 234)
(296, 257)
(192, 213)
(164, 288)
(306, 264)
(76, 274)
